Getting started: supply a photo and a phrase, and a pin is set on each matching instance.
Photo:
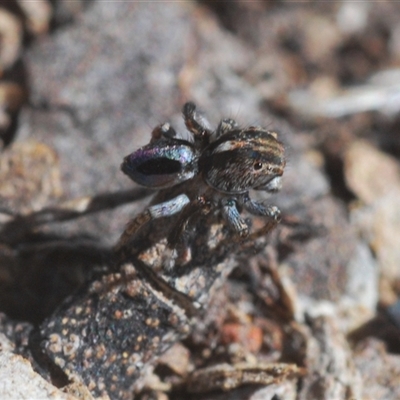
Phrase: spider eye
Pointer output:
(257, 166)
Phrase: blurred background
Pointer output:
(82, 84)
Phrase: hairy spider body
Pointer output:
(223, 164)
(162, 164)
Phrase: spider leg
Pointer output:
(232, 217)
(196, 123)
(161, 210)
(163, 131)
(271, 212)
(248, 239)
(259, 209)
(265, 230)
(178, 238)
(226, 125)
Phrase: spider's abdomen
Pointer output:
(245, 159)
(161, 164)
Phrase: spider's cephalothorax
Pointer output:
(224, 164)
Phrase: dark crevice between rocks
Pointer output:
(334, 169)
(42, 364)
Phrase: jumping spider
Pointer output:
(213, 169)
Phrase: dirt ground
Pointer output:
(312, 311)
